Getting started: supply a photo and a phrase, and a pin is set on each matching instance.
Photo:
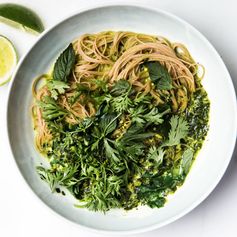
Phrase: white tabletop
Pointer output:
(23, 215)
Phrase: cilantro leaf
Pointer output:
(64, 64)
(186, 160)
(57, 88)
(178, 131)
(159, 75)
(156, 154)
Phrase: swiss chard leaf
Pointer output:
(159, 75)
(64, 64)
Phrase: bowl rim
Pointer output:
(229, 81)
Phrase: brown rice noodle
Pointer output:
(111, 56)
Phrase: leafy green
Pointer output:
(57, 88)
(120, 92)
(121, 103)
(134, 149)
(137, 114)
(57, 178)
(140, 115)
(135, 133)
(186, 160)
(50, 109)
(156, 154)
(154, 192)
(178, 131)
(154, 116)
(64, 64)
(108, 123)
(111, 152)
(120, 87)
(159, 75)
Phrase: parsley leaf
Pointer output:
(134, 149)
(159, 75)
(64, 64)
(136, 114)
(120, 92)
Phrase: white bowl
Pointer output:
(211, 162)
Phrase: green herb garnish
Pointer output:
(159, 75)
(64, 64)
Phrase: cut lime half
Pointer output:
(8, 60)
(13, 13)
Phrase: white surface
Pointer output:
(22, 215)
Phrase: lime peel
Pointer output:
(21, 15)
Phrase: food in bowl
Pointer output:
(120, 119)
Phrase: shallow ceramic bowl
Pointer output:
(211, 162)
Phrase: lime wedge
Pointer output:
(21, 15)
(8, 60)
